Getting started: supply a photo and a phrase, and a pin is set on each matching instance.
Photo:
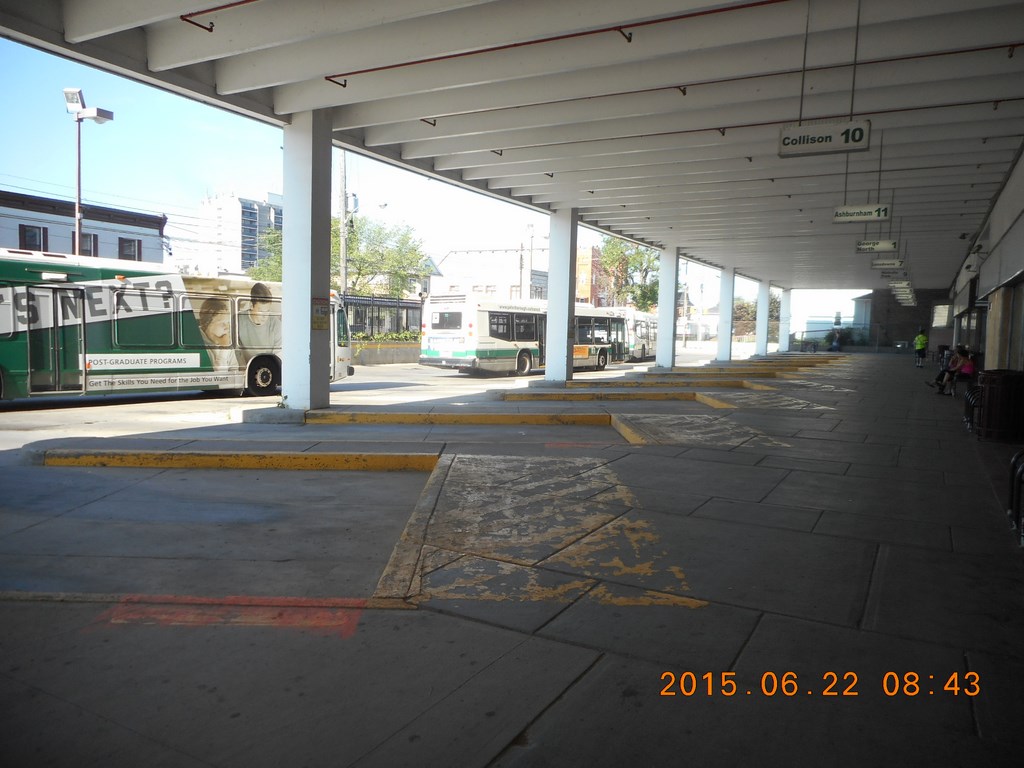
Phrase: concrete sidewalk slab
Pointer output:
(535, 597)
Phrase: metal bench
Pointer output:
(972, 406)
(1016, 495)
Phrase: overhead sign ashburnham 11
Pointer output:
(860, 213)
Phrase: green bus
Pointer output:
(79, 325)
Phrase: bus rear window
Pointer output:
(446, 321)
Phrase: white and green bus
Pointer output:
(475, 334)
(78, 325)
(641, 332)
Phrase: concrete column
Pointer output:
(306, 241)
(668, 292)
(761, 323)
(784, 319)
(561, 296)
(726, 291)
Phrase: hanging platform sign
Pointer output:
(886, 263)
(824, 138)
(876, 246)
(861, 213)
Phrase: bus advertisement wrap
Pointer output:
(76, 325)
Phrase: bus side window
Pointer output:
(499, 326)
(584, 330)
(6, 310)
(342, 328)
(140, 319)
(208, 324)
(525, 327)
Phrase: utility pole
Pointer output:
(343, 226)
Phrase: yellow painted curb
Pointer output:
(702, 373)
(665, 383)
(712, 401)
(494, 419)
(370, 462)
(580, 396)
(630, 432)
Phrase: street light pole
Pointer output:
(78, 187)
(75, 103)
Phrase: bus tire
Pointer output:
(264, 377)
(602, 359)
(524, 364)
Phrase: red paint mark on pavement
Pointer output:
(331, 616)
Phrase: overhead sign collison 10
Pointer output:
(824, 138)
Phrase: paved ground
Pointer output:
(816, 573)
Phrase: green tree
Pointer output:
(629, 273)
(269, 267)
(382, 259)
(744, 316)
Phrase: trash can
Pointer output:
(1002, 412)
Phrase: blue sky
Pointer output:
(164, 154)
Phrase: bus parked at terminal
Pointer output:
(79, 325)
(641, 332)
(474, 334)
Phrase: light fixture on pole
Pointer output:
(75, 102)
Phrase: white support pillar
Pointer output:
(726, 291)
(784, 319)
(668, 292)
(761, 322)
(561, 297)
(306, 242)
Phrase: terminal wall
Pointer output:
(893, 322)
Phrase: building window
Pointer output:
(250, 233)
(90, 244)
(32, 238)
(128, 249)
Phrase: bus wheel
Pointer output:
(602, 359)
(264, 376)
(524, 364)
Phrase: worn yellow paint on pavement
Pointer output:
(285, 460)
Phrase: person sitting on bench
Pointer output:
(961, 365)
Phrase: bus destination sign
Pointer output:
(824, 138)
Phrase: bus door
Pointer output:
(542, 338)
(617, 338)
(56, 349)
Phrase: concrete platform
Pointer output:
(819, 574)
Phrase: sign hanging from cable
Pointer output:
(824, 138)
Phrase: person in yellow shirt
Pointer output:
(920, 348)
